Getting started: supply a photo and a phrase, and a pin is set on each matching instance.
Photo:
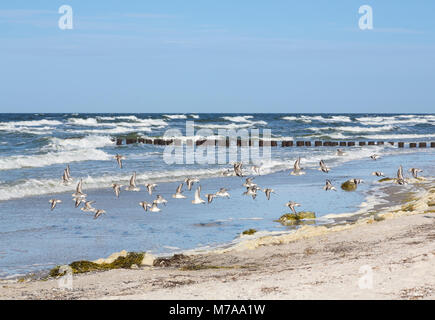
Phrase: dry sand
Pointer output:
(392, 257)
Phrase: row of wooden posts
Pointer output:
(272, 143)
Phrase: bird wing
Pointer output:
(179, 188)
(79, 187)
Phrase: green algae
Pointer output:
(249, 231)
(82, 266)
(409, 207)
(348, 186)
(385, 179)
(294, 218)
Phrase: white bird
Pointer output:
(190, 182)
(87, 206)
(340, 152)
(415, 172)
(292, 205)
(400, 179)
(268, 191)
(249, 183)
(98, 213)
(154, 207)
(297, 170)
(68, 172)
(255, 169)
(65, 177)
(329, 186)
(251, 191)
(357, 181)
(78, 201)
(179, 193)
(144, 205)
(150, 187)
(222, 193)
(238, 169)
(132, 186)
(117, 189)
(210, 197)
(323, 167)
(79, 192)
(374, 156)
(160, 199)
(119, 159)
(198, 199)
(378, 174)
(54, 202)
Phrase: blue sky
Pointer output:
(217, 56)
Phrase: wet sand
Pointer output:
(396, 246)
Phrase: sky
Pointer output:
(217, 56)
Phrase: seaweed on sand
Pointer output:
(292, 218)
(82, 266)
(249, 231)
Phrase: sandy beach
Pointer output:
(390, 255)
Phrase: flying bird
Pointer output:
(154, 208)
(292, 205)
(54, 202)
(179, 193)
(198, 199)
(119, 159)
(117, 189)
(329, 186)
(268, 191)
(87, 206)
(323, 167)
(78, 201)
(238, 169)
(400, 179)
(150, 187)
(255, 169)
(297, 170)
(210, 197)
(222, 193)
(249, 183)
(415, 172)
(251, 191)
(144, 205)
(160, 200)
(98, 213)
(189, 182)
(378, 174)
(132, 186)
(79, 192)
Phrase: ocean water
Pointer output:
(35, 148)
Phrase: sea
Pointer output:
(36, 148)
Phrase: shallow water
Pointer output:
(35, 149)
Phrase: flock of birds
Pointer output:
(79, 197)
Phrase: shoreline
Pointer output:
(314, 262)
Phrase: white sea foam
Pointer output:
(175, 116)
(33, 123)
(39, 127)
(59, 151)
(224, 126)
(398, 120)
(355, 129)
(244, 119)
(50, 158)
(309, 119)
